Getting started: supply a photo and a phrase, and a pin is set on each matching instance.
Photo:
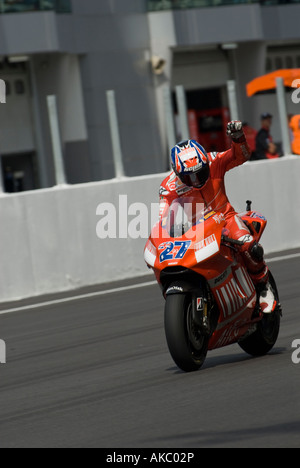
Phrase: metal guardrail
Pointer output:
(23, 6)
(160, 5)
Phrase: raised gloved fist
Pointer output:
(235, 129)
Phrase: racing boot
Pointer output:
(267, 299)
(259, 272)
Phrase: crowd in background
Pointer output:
(261, 142)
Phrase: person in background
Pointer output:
(250, 134)
(294, 124)
(9, 181)
(265, 148)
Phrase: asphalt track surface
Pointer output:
(96, 372)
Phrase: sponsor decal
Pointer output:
(206, 242)
(181, 189)
(206, 248)
(209, 215)
(255, 214)
(221, 277)
(246, 239)
(163, 192)
(174, 289)
(219, 218)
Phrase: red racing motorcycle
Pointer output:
(211, 301)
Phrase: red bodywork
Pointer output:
(202, 250)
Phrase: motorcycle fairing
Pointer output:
(200, 243)
(236, 297)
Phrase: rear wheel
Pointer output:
(187, 345)
(266, 334)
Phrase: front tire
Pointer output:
(187, 346)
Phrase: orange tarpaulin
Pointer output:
(268, 82)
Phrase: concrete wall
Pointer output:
(49, 242)
(274, 190)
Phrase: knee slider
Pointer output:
(257, 252)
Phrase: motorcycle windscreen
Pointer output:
(186, 218)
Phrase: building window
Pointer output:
(278, 63)
(269, 65)
(289, 62)
(8, 88)
(19, 87)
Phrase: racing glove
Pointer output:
(235, 131)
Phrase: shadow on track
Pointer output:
(219, 361)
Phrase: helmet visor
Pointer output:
(195, 179)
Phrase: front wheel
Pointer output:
(187, 346)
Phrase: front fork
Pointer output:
(200, 313)
(205, 312)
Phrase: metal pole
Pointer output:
(2, 101)
(280, 91)
(56, 141)
(40, 145)
(182, 110)
(169, 113)
(232, 98)
(115, 134)
(1, 177)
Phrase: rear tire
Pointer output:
(266, 335)
(187, 346)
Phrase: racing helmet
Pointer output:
(190, 163)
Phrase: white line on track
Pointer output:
(283, 257)
(112, 291)
(76, 298)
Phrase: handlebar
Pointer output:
(231, 241)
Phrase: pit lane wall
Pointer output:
(49, 239)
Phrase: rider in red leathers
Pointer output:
(201, 175)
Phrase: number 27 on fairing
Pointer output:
(173, 250)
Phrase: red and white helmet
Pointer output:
(190, 163)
